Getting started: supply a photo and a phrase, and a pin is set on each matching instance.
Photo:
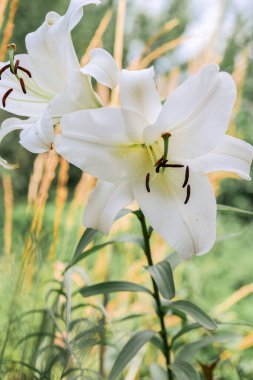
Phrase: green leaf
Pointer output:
(87, 237)
(129, 351)
(224, 208)
(157, 372)
(174, 259)
(184, 371)
(185, 330)
(124, 239)
(195, 312)
(163, 277)
(112, 287)
(188, 352)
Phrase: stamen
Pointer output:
(188, 194)
(159, 161)
(173, 166)
(16, 67)
(147, 182)
(3, 69)
(25, 71)
(22, 83)
(6, 96)
(186, 178)
(161, 165)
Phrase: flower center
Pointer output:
(14, 68)
(163, 163)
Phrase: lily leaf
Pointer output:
(184, 371)
(163, 277)
(129, 351)
(195, 312)
(112, 287)
(188, 352)
(224, 208)
(157, 372)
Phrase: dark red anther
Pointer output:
(173, 166)
(25, 71)
(188, 194)
(160, 165)
(3, 69)
(52, 146)
(186, 178)
(6, 96)
(16, 66)
(22, 83)
(147, 182)
(159, 161)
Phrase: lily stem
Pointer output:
(159, 311)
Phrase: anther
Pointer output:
(6, 96)
(159, 161)
(22, 83)
(147, 182)
(25, 71)
(188, 194)
(161, 165)
(173, 166)
(186, 178)
(3, 69)
(16, 67)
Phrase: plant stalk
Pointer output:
(160, 313)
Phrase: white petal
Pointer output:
(77, 95)
(52, 40)
(102, 67)
(105, 202)
(8, 126)
(39, 136)
(196, 114)
(104, 141)
(138, 92)
(188, 228)
(33, 103)
(232, 155)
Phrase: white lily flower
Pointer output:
(48, 82)
(159, 155)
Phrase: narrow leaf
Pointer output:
(112, 287)
(195, 312)
(157, 372)
(124, 239)
(174, 260)
(163, 277)
(184, 371)
(129, 351)
(185, 330)
(224, 208)
(188, 352)
(87, 237)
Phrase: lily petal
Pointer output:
(39, 137)
(102, 67)
(138, 92)
(52, 40)
(232, 155)
(102, 141)
(106, 200)
(188, 228)
(77, 95)
(196, 114)
(8, 126)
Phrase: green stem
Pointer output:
(160, 313)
